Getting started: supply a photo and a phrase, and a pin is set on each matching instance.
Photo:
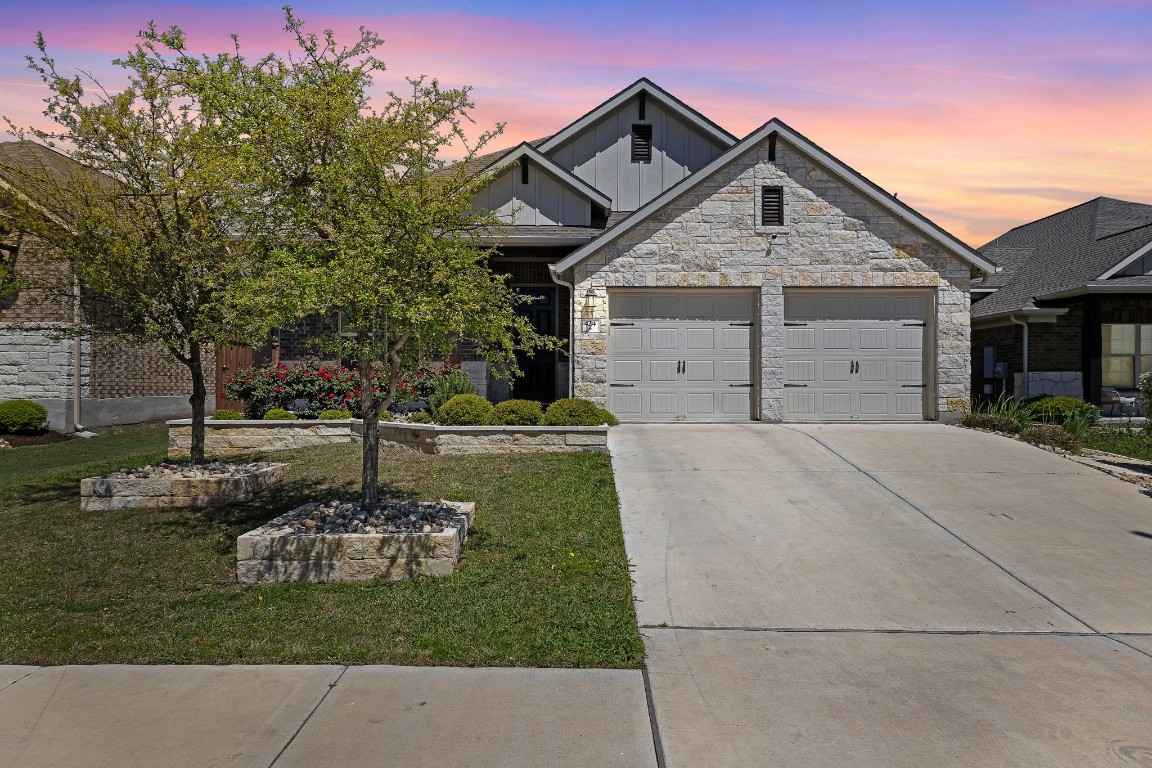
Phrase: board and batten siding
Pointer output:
(543, 201)
(601, 155)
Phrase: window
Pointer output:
(1125, 353)
(771, 206)
(641, 143)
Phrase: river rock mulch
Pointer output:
(348, 517)
(212, 470)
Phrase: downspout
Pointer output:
(571, 327)
(1025, 326)
(77, 349)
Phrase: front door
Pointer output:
(229, 360)
(537, 379)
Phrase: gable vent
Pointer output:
(771, 206)
(641, 143)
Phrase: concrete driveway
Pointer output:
(886, 595)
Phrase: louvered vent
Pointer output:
(641, 143)
(771, 206)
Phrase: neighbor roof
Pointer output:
(1068, 253)
(848, 175)
(38, 172)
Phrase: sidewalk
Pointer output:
(241, 716)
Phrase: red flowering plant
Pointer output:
(280, 386)
(420, 383)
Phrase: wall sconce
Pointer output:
(592, 304)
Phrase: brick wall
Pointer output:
(301, 340)
(32, 306)
(1051, 346)
(125, 368)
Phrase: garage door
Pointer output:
(680, 356)
(857, 356)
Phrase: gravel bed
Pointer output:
(347, 517)
(208, 470)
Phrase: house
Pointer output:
(700, 277)
(1071, 312)
(83, 382)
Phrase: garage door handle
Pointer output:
(746, 325)
(921, 386)
(794, 385)
(787, 324)
(621, 385)
(917, 325)
(616, 324)
(748, 385)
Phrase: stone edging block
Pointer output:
(103, 493)
(326, 557)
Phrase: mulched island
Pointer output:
(40, 438)
(347, 517)
(210, 470)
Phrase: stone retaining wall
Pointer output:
(233, 438)
(350, 556)
(103, 493)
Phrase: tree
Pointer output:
(362, 214)
(147, 221)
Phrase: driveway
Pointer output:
(886, 595)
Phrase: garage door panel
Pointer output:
(800, 371)
(626, 403)
(700, 370)
(800, 338)
(836, 338)
(693, 345)
(861, 355)
(627, 370)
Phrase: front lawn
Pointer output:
(543, 581)
(1126, 441)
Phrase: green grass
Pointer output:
(543, 581)
(1135, 443)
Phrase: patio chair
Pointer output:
(1111, 399)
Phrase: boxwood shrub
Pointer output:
(465, 411)
(334, 413)
(279, 414)
(576, 412)
(22, 416)
(226, 414)
(518, 413)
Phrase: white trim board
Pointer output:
(1139, 254)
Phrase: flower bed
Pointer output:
(237, 437)
(171, 484)
(337, 542)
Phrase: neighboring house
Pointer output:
(1071, 312)
(89, 382)
(700, 277)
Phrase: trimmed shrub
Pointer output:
(333, 413)
(608, 418)
(446, 386)
(518, 413)
(420, 417)
(279, 414)
(465, 411)
(226, 414)
(1051, 434)
(574, 412)
(22, 416)
(1051, 409)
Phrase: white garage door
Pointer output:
(680, 356)
(854, 356)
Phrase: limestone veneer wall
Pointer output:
(234, 438)
(833, 237)
(33, 366)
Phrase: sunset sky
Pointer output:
(982, 115)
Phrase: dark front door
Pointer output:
(537, 380)
(229, 360)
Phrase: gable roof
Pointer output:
(1074, 251)
(865, 187)
(646, 86)
(38, 172)
(527, 151)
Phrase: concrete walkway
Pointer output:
(884, 595)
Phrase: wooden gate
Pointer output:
(228, 361)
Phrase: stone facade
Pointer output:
(262, 556)
(833, 237)
(104, 493)
(34, 366)
(235, 438)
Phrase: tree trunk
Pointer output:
(199, 394)
(370, 465)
